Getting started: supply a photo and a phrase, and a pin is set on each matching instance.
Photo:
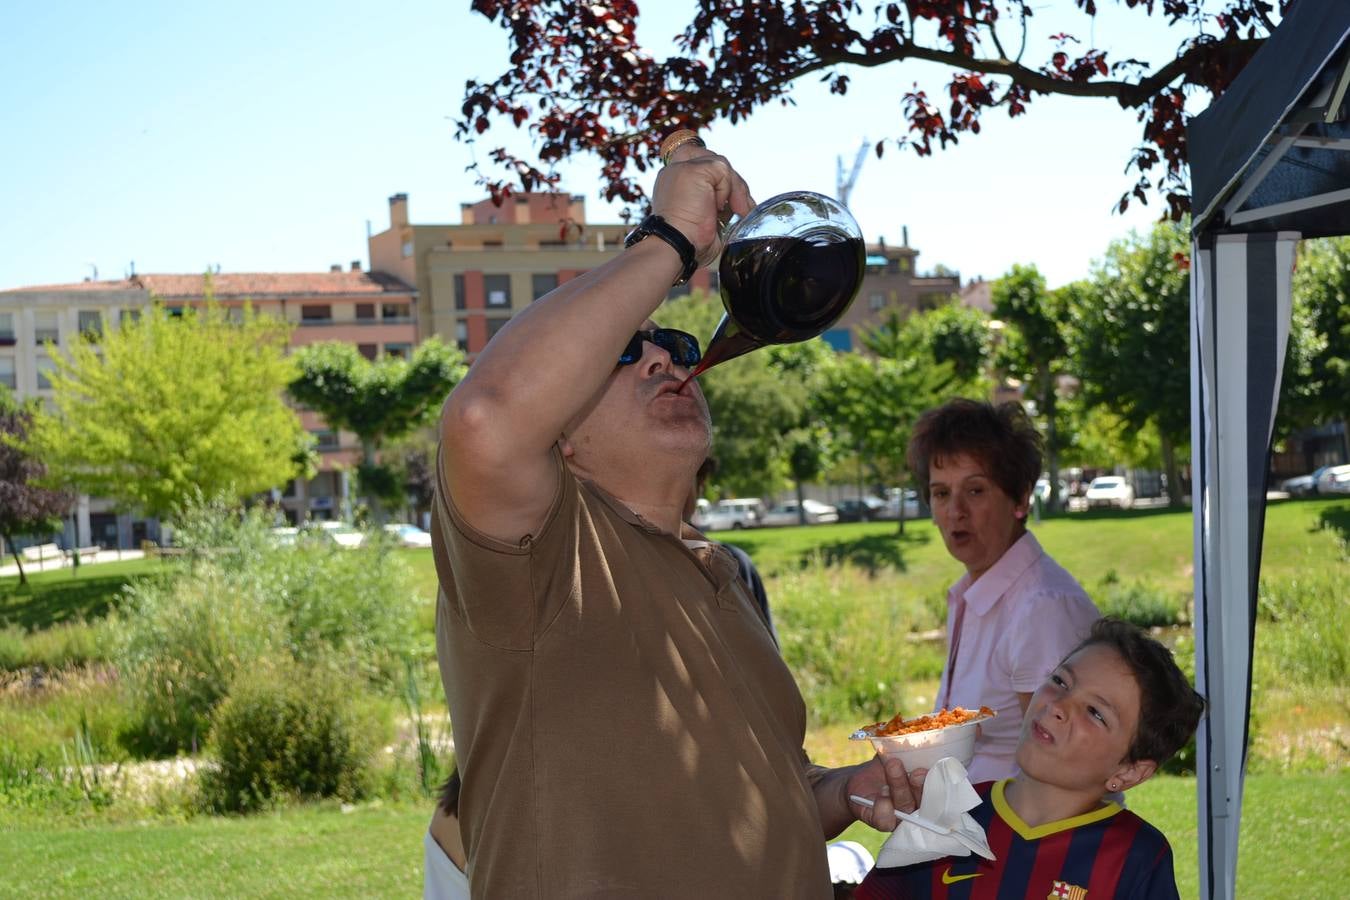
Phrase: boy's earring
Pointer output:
(1113, 786)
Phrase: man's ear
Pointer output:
(1131, 774)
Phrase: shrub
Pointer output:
(73, 778)
(849, 643)
(1305, 633)
(1141, 603)
(13, 652)
(288, 730)
(242, 597)
(183, 642)
(58, 647)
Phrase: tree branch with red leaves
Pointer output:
(579, 82)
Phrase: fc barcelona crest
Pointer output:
(1062, 890)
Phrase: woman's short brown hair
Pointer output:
(1002, 438)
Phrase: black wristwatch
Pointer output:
(667, 232)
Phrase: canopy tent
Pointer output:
(1270, 164)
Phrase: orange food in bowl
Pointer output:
(931, 722)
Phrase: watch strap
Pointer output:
(656, 225)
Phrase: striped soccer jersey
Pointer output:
(1106, 854)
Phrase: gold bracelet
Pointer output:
(676, 140)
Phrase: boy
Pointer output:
(1115, 709)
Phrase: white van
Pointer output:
(727, 515)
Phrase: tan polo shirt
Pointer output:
(623, 722)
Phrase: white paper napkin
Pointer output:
(947, 795)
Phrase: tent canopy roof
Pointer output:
(1273, 153)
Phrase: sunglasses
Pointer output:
(682, 347)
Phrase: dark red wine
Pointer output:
(780, 290)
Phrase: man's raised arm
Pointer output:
(546, 364)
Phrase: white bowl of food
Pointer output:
(923, 740)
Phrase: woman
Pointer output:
(1015, 613)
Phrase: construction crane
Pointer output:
(844, 186)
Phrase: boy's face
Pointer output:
(1080, 723)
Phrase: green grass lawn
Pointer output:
(68, 595)
(1289, 848)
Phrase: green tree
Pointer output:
(377, 400)
(1131, 337)
(954, 334)
(1035, 350)
(25, 506)
(165, 408)
(807, 438)
(873, 402)
(1317, 370)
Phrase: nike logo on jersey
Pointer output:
(949, 878)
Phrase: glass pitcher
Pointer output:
(789, 270)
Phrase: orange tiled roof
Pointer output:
(273, 284)
(239, 285)
(89, 286)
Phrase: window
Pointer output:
(7, 376)
(395, 311)
(369, 351)
(494, 326)
(6, 329)
(174, 312)
(876, 302)
(45, 366)
(459, 292)
(128, 316)
(462, 335)
(91, 324)
(492, 245)
(325, 440)
(365, 311)
(46, 327)
(541, 285)
(312, 312)
(398, 351)
(498, 289)
(407, 249)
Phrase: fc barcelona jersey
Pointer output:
(1105, 854)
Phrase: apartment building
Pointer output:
(374, 311)
(471, 278)
(891, 285)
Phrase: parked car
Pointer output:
(1302, 485)
(1043, 492)
(342, 534)
(914, 508)
(1334, 480)
(863, 509)
(816, 513)
(1110, 490)
(729, 515)
(286, 534)
(408, 535)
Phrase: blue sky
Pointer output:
(264, 136)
